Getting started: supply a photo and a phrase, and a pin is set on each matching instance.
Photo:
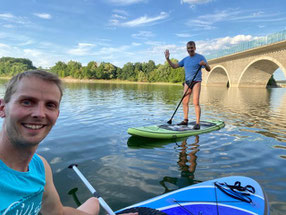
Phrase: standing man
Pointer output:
(191, 64)
(30, 109)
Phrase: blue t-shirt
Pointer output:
(191, 65)
(22, 192)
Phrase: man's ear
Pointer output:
(2, 108)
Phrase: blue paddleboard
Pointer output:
(237, 195)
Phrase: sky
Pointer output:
(122, 31)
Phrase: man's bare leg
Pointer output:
(196, 101)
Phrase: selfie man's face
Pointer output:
(32, 111)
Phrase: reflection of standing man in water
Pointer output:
(187, 163)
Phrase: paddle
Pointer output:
(170, 121)
(92, 190)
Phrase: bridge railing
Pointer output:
(269, 39)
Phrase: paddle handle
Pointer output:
(92, 190)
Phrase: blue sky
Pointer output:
(121, 31)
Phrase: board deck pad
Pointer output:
(207, 199)
(174, 131)
(189, 127)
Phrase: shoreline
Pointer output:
(116, 81)
(113, 81)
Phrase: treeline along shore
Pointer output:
(134, 72)
(74, 71)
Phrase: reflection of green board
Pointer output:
(175, 131)
(137, 142)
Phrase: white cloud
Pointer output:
(2, 45)
(205, 47)
(122, 12)
(110, 50)
(82, 49)
(116, 16)
(114, 22)
(32, 52)
(15, 39)
(38, 57)
(143, 35)
(255, 14)
(184, 35)
(86, 44)
(136, 44)
(154, 43)
(6, 50)
(8, 17)
(43, 15)
(208, 21)
(193, 2)
(115, 55)
(145, 20)
(125, 2)
(26, 43)
(212, 46)
(238, 39)
(157, 52)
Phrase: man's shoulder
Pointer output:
(200, 55)
(185, 58)
(182, 62)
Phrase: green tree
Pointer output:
(148, 67)
(90, 70)
(118, 71)
(74, 69)
(106, 71)
(61, 69)
(12, 66)
(141, 76)
(109, 71)
(128, 72)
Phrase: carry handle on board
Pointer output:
(92, 190)
(170, 121)
(236, 191)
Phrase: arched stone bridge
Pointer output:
(250, 68)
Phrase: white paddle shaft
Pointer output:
(93, 191)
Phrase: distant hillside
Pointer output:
(281, 83)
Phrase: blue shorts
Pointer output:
(191, 84)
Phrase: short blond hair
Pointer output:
(44, 75)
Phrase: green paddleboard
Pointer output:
(175, 131)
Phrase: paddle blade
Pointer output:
(169, 122)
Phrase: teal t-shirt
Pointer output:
(191, 65)
(22, 192)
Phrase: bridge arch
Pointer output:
(218, 76)
(258, 72)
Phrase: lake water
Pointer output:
(92, 132)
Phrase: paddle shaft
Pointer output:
(170, 121)
(92, 190)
